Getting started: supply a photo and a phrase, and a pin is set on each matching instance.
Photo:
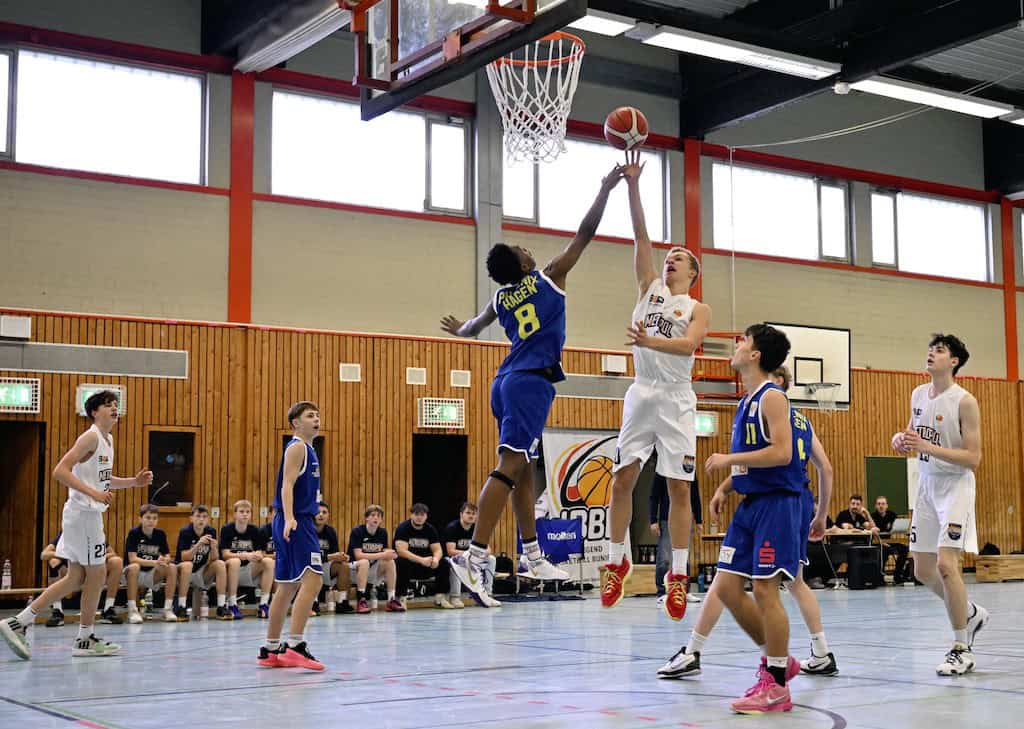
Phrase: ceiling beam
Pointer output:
(227, 24)
(757, 92)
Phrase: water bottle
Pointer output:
(204, 610)
(5, 584)
(700, 581)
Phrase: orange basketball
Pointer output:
(625, 128)
(595, 481)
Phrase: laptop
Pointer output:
(901, 526)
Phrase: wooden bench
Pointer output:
(999, 567)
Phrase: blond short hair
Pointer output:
(694, 263)
(240, 503)
(783, 374)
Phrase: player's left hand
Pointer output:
(817, 529)
(451, 325)
(912, 441)
(290, 525)
(636, 336)
(143, 478)
(613, 178)
(716, 462)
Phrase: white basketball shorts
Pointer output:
(659, 414)
(82, 540)
(944, 514)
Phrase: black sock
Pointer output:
(779, 674)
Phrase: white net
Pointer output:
(533, 88)
(825, 393)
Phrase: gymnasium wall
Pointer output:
(81, 245)
(242, 380)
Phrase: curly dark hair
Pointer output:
(503, 265)
(955, 346)
(771, 343)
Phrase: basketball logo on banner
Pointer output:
(579, 482)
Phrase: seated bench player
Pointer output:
(241, 548)
(334, 562)
(57, 567)
(419, 555)
(456, 539)
(373, 562)
(151, 566)
(199, 559)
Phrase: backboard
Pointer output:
(407, 48)
(817, 354)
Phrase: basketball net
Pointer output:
(533, 88)
(825, 393)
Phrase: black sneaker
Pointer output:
(109, 617)
(820, 666)
(223, 613)
(55, 620)
(344, 608)
(316, 609)
(181, 613)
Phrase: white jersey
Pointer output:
(94, 472)
(937, 420)
(663, 315)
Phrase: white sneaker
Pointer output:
(134, 617)
(958, 662)
(820, 665)
(469, 574)
(660, 602)
(681, 664)
(442, 602)
(457, 603)
(975, 623)
(170, 617)
(486, 600)
(93, 646)
(16, 636)
(544, 570)
(692, 598)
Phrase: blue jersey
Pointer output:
(804, 433)
(306, 492)
(748, 435)
(532, 313)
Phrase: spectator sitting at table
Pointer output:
(856, 517)
(884, 519)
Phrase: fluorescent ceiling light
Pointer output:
(597, 21)
(688, 41)
(1017, 117)
(917, 94)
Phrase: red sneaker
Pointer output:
(792, 671)
(395, 606)
(763, 697)
(615, 583)
(298, 656)
(268, 658)
(363, 606)
(675, 595)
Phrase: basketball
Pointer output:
(595, 481)
(625, 128)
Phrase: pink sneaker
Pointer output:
(764, 696)
(792, 671)
(298, 656)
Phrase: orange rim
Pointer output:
(579, 48)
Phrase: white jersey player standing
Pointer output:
(660, 406)
(86, 470)
(945, 431)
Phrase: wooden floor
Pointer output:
(553, 664)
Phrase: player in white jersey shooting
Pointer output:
(660, 406)
(945, 431)
(86, 471)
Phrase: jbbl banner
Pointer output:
(578, 467)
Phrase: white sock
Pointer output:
(108, 604)
(532, 551)
(132, 607)
(84, 631)
(26, 616)
(232, 600)
(57, 606)
(168, 604)
(960, 636)
(763, 649)
(819, 646)
(616, 552)
(696, 644)
(295, 638)
(265, 598)
(273, 644)
(391, 594)
(680, 561)
(221, 600)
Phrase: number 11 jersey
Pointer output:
(532, 313)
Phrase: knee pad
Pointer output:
(499, 476)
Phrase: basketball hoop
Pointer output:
(533, 88)
(825, 393)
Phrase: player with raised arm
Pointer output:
(668, 326)
(86, 470)
(530, 306)
(945, 431)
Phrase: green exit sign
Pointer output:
(19, 395)
(706, 423)
(439, 412)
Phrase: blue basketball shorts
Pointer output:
(764, 537)
(806, 517)
(299, 553)
(521, 401)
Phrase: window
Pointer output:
(778, 214)
(565, 190)
(930, 235)
(883, 228)
(5, 99)
(112, 118)
(324, 151)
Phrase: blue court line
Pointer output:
(65, 715)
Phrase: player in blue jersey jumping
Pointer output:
(530, 306)
(298, 567)
(763, 542)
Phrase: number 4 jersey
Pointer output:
(532, 313)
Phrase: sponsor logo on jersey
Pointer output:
(938, 418)
(678, 313)
(688, 464)
(102, 459)
(955, 531)
(753, 409)
(766, 555)
(655, 299)
(917, 412)
(314, 559)
(725, 554)
(513, 297)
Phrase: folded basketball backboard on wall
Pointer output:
(818, 356)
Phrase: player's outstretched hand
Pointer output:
(143, 478)
(636, 335)
(290, 525)
(613, 178)
(451, 325)
(633, 168)
(716, 462)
